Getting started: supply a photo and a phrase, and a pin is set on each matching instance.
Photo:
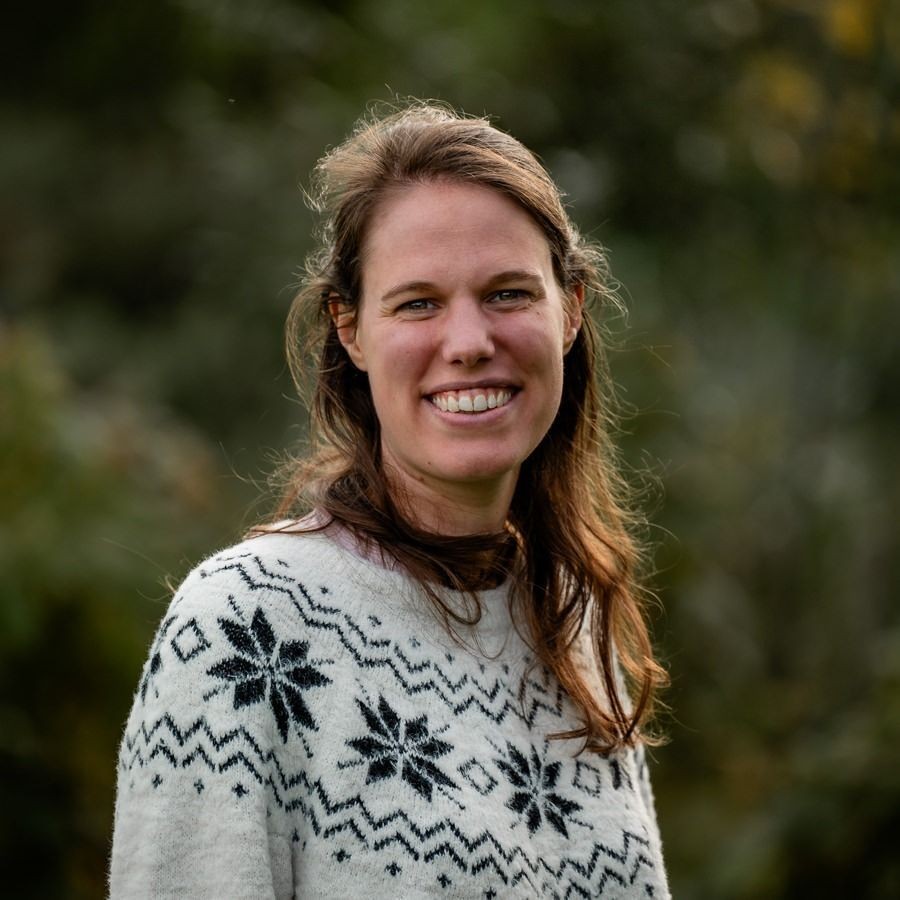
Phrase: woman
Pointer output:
(431, 676)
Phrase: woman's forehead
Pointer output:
(440, 228)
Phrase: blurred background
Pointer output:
(741, 161)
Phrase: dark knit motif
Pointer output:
(266, 668)
(533, 781)
(398, 746)
(374, 748)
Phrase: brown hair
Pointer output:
(576, 555)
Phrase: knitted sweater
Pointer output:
(304, 727)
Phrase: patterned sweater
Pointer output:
(304, 727)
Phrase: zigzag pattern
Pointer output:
(198, 744)
(495, 700)
(236, 652)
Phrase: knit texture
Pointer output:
(304, 727)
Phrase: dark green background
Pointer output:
(740, 160)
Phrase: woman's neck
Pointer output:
(453, 511)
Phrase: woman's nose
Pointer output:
(468, 334)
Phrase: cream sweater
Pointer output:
(304, 727)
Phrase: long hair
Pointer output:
(569, 537)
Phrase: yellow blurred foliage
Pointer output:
(779, 90)
(851, 24)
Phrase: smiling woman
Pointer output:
(481, 318)
(430, 674)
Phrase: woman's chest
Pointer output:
(433, 775)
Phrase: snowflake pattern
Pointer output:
(479, 749)
(405, 745)
(534, 797)
(265, 666)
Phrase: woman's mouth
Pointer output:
(472, 400)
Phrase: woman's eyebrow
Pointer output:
(406, 286)
(527, 275)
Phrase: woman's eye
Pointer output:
(511, 295)
(415, 305)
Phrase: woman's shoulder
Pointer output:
(276, 561)
(305, 582)
(241, 608)
(232, 687)
(282, 544)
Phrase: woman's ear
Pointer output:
(574, 308)
(344, 318)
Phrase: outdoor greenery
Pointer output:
(741, 161)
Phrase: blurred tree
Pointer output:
(93, 485)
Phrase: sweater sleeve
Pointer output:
(645, 790)
(196, 762)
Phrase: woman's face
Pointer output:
(462, 329)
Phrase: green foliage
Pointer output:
(94, 486)
(740, 158)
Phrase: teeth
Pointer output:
(471, 401)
